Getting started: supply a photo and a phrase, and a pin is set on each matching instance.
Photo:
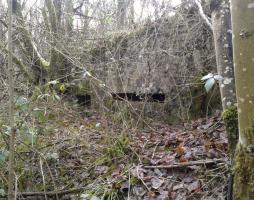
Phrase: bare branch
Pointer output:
(202, 14)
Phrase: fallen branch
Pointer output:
(186, 164)
(48, 194)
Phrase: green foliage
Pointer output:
(119, 147)
(49, 92)
(116, 149)
(21, 103)
(230, 118)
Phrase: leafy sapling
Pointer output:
(210, 79)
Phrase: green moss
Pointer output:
(248, 135)
(35, 94)
(134, 181)
(243, 175)
(230, 118)
(119, 147)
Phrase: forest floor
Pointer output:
(90, 155)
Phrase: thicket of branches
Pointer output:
(97, 48)
(166, 50)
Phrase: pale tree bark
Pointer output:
(58, 5)
(39, 65)
(58, 66)
(68, 17)
(131, 12)
(87, 20)
(121, 13)
(243, 43)
(11, 178)
(1, 24)
(2, 35)
(202, 13)
(222, 34)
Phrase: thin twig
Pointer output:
(43, 178)
(48, 194)
(186, 164)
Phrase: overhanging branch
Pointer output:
(202, 14)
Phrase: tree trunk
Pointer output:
(243, 43)
(121, 13)
(68, 19)
(58, 67)
(222, 34)
(2, 36)
(39, 64)
(11, 178)
(221, 23)
(131, 12)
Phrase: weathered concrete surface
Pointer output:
(167, 56)
(157, 57)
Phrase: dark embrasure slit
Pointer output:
(155, 97)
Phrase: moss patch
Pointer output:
(230, 118)
(243, 175)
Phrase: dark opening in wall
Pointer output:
(156, 97)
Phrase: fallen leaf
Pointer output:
(139, 191)
(178, 186)
(156, 183)
(194, 186)
(180, 150)
(164, 195)
(101, 169)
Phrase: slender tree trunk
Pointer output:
(58, 63)
(221, 23)
(2, 36)
(222, 34)
(132, 12)
(68, 19)
(121, 14)
(39, 64)
(87, 20)
(11, 180)
(243, 43)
